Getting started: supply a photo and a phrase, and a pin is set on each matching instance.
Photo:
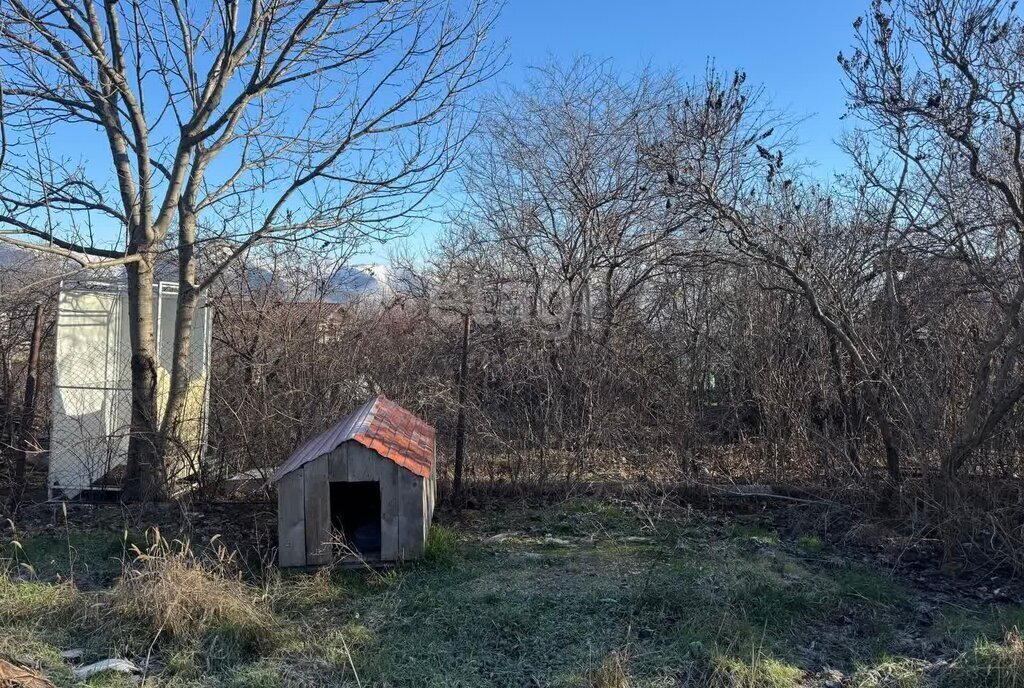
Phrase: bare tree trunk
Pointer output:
(889, 441)
(28, 409)
(8, 434)
(178, 394)
(187, 304)
(145, 470)
(460, 422)
(28, 412)
(846, 404)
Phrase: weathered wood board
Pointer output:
(389, 496)
(337, 462)
(291, 520)
(410, 516)
(317, 511)
(363, 465)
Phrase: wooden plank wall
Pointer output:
(304, 506)
(391, 474)
(291, 520)
(410, 516)
(337, 464)
(318, 511)
(363, 465)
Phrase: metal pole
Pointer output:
(460, 422)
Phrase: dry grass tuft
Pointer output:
(989, 665)
(168, 591)
(893, 672)
(760, 672)
(611, 673)
(300, 591)
(717, 669)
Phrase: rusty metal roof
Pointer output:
(380, 425)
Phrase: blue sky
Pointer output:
(788, 46)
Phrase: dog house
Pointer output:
(367, 483)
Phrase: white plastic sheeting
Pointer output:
(92, 388)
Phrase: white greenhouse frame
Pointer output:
(91, 408)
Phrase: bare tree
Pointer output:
(227, 126)
(940, 83)
(728, 152)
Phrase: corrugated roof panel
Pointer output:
(380, 425)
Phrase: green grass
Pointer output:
(110, 679)
(754, 532)
(758, 672)
(92, 557)
(442, 548)
(994, 624)
(858, 582)
(257, 676)
(26, 600)
(810, 543)
(582, 594)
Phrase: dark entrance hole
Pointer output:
(355, 515)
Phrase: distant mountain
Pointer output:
(374, 282)
(16, 257)
(23, 267)
(360, 280)
(21, 259)
(310, 280)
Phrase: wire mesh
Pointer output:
(91, 415)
